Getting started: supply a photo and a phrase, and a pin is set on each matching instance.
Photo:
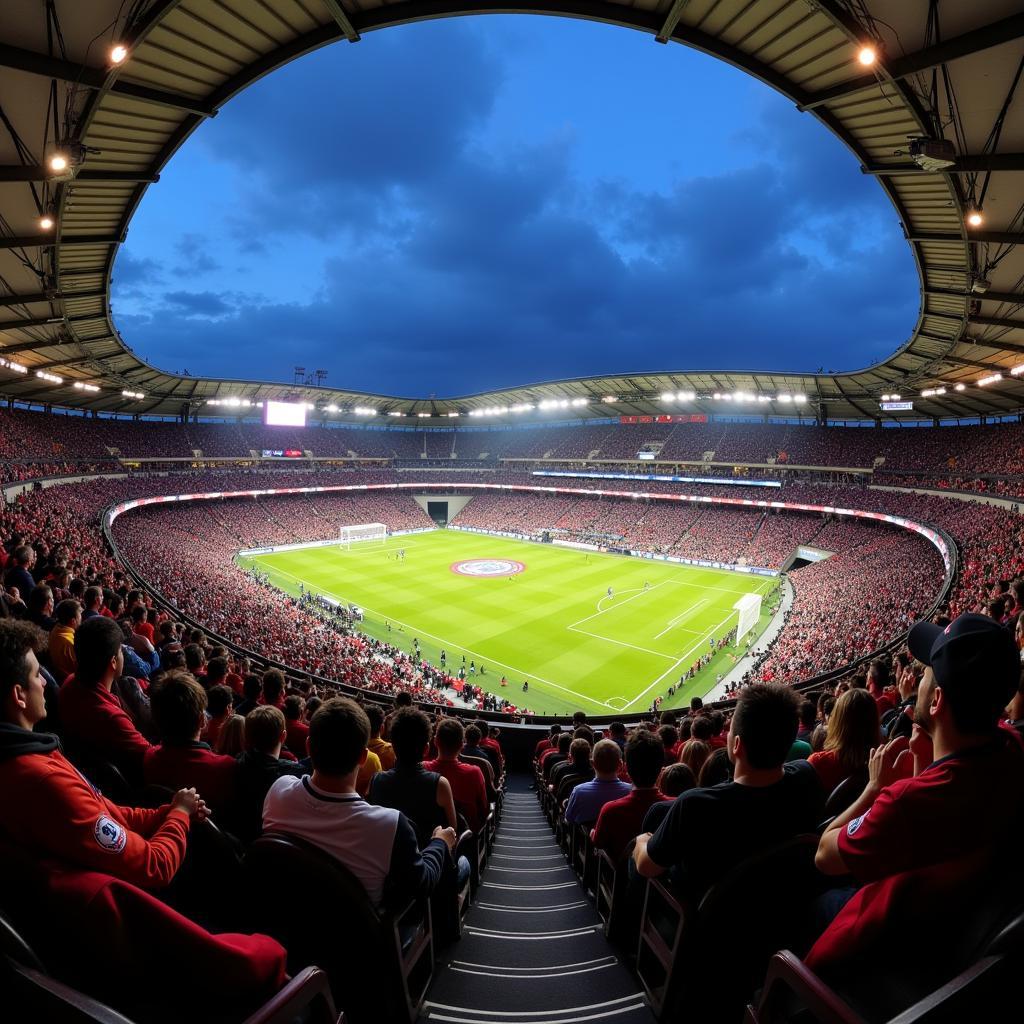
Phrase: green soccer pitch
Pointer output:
(552, 624)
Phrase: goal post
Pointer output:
(362, 534)
(749, 607)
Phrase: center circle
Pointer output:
(487, 567)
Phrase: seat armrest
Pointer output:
(308, 990)
(789, 976)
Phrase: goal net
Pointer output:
(749, 607)
(362, 534)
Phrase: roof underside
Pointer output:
(188, 57)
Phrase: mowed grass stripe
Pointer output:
(523, 622)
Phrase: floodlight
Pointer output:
(975, 218)
(960, 387)
(118, 53)
(867, 55)
(667, 396)
(992, 378)
(46, 222)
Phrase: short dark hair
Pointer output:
(263, 728)
(97, 642)
(449, 735)
(375, 713)
(579, 751)
(766, 720)
(293, 707)
(669, 736)
(403, 699)
(410, 734)
(717, 768)
(178, 704)
(194, 656)
(218, 699)
(702, 728)
(38, 597)
(252, 687)
(696, 703)
(93, 596)
(216, 669)
(67, 611)
(564, 741)
(338, 735)
(617, 729)
(473, 734)
(676, 779)
(645, 756)
(16, 640)
(273, 685)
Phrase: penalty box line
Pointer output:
(710, 633)
(457, 647)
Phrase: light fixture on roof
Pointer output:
(80, 385)
(57, 163)
(133, 394)
(393, 412)
(959, 387)
(609, 399)
(668, 396)
(422, 415)
(785, 398)
(867, 55)
(46, 222)
(800, 399)
(51, 377)
(330, 408)
(685, 396)
(992, 378)
(452, 415)
(975, 218)
(980, 285)
(118, 53)
(1017, 370)
(11, 365)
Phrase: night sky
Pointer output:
(478, 203)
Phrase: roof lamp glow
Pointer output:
(800, 399)
(960, 387)
(330, 408)
(363, 410)
(58, 163)
(867, 55)
(452, 415)
(118, 53)
(46, 223)
(51, 377)
(785, 398)
(609, 399)
(82, 386)
(975, 218)
(579, 401)
(133, 394)
(685, 396)
(992, 378)
(1017, 370)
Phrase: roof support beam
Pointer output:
(35, 321)
(340, 15)
(1004, 31)
(36, 172)
(998, 321)
(28, 346)
(963, 165)
(1017, 298)
(96, 78)
(671, 20)
(27, 299)
(46, 241)
(74, 361)
(998, 237)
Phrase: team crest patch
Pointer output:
(487, 567)
(110, 836)
(851, 829)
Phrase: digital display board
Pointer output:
(896, 406)
(282, 453)
(284, 414)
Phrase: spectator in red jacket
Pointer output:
(94, 719)
(297, 732)
(966, 793)
(219, 709)
(48, 808)
(466, 780)
(182, 759)
(620, 821)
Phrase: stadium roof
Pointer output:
(957, 73)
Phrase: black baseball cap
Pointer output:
(972, 651)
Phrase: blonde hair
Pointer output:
(231, 739)
(853, 729)
(694, 754)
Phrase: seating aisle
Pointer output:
(533, 950)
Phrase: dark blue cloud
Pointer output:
(376, 219)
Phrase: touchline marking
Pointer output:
(710, 633)
(684, 615)
(447, 644)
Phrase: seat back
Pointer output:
(845, 793)
(330, 923)
(754, 910)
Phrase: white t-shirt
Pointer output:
(360, 835)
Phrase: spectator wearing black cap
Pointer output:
(968, 775)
